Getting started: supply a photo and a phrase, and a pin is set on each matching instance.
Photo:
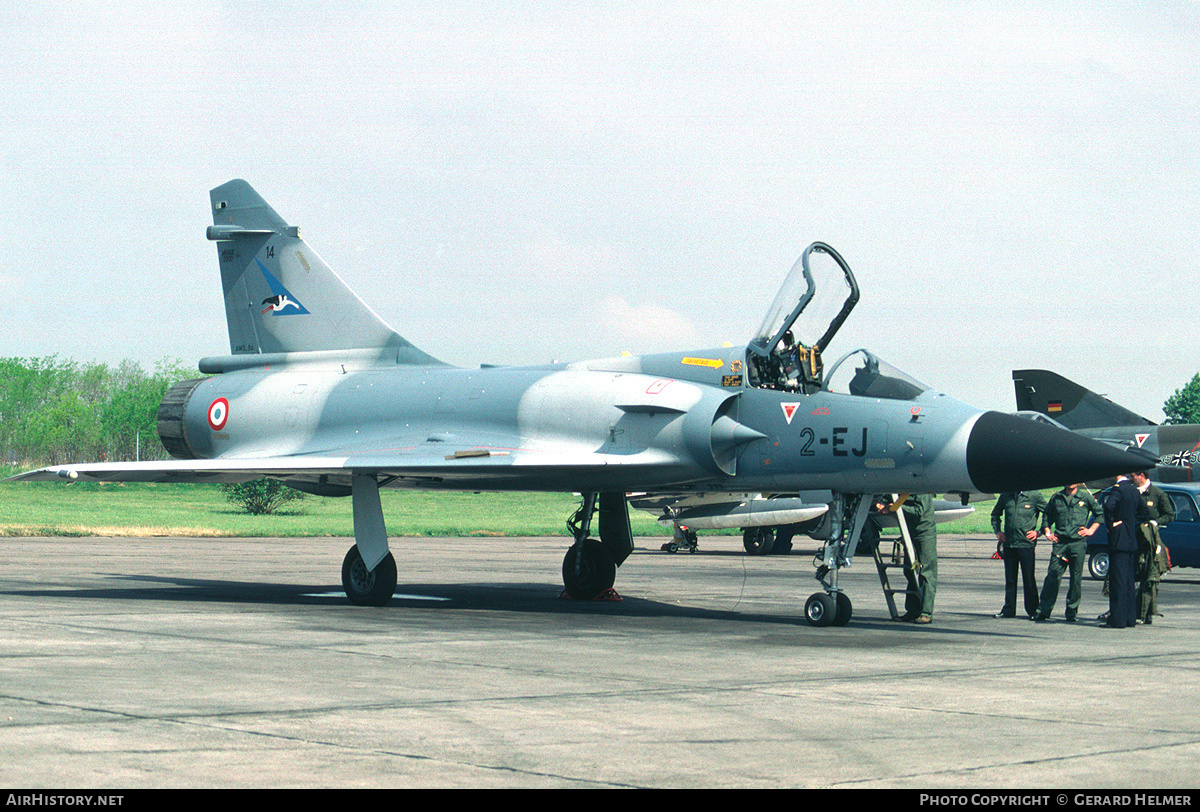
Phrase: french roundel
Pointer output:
(218, 413)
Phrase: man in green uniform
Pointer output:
(922, 526)
(1017, 537)
(1152, 555)
(1072, 515)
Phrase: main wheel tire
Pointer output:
(597, 570)
(368, 587)
(1098, 564)
(820, 610)
(758, 540)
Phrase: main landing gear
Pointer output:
(758, 540)
(369, 570)
(775, 539)
(590, 566)
(366, 587)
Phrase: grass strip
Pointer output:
(138, 509)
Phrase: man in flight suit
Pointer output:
(1017, 537)
(1072, 515)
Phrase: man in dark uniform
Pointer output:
(1072, 515)
(1017, 538)
(1152, 555)
(1123, 512)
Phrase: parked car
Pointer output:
(1181, 536)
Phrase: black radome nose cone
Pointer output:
(1008, 453)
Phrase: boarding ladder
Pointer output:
(903, 556)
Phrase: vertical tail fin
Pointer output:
(279, 296)
(1039, 390)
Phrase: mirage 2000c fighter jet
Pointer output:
(318, 392)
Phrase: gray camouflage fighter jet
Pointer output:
(321, 394)
(1173, 447)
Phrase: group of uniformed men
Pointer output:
(1133, 510)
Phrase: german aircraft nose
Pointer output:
(1008, 453)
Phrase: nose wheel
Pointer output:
(828, 609)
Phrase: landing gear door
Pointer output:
(786, 351)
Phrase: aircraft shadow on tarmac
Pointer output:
(498, 597)
(532, 598)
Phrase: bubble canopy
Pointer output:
(801, 294)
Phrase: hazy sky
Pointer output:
(1014, 183)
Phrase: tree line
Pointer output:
(1184, 405)
(55, 411)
